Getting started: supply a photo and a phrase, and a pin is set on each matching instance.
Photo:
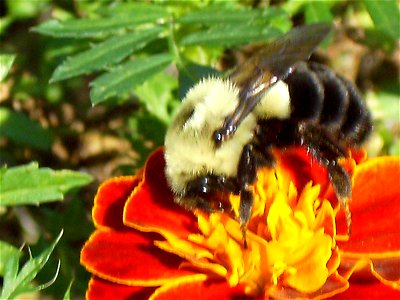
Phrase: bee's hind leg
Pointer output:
(341, 183)
(327, 151)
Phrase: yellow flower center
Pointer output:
(290, 237)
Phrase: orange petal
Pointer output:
(386, 270)
(335, 284)
(375, 208)
(110, 201)
(100, 289)
(368, 289)
(198, 287)
(152, 208)
(129, 258)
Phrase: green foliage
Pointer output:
(109, 52)
(7, 251)
(156, 95)
(386, 16)
(318, 11)
(384, 33)
(127, 76)
(231, 35)
(136, 25)
(29, 185)
(15, 126)
(16, 282)
(67, 294)
(6, 61)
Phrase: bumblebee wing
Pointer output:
(268, 66)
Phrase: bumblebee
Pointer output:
(226, 128)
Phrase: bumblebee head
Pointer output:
(190, 148)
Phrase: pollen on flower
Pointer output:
(290, 239)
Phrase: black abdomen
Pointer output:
(320, 96)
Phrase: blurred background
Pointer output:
(88, 89)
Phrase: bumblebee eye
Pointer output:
(218, 137)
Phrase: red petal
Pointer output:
(129, 258)
(334, 285)
(100, 289)
(370, 290)
(386, 270)
(198, 287)
(302, 167)
(375, 207)
(152, 207)
(110, 201)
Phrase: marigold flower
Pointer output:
(146, 246)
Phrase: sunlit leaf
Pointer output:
(6, 61)
(21, 9)
(137, 10)
(156, 95)
(82, 28)
(67, 294)
(318, 11)
(231, 35)
(228, 15)
(24, 131)
(192, 74)
(126, 77)
(145, 127)
(108, 52)
(29, 184)
(386, 16)
(15, 283)
(7, 251)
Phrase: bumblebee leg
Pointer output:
(247, 174)
(194, 202)
(324, 148)
(199, 191)
(341, 183)
(252, 158)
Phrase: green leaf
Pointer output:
(67, 294)
(6, 61)
(10, 270)
(217, 15)
(156, 95)
(145, 127)
(386, 16)
(96, 27)
(231, 35)
(24, 131)
(191, 74)
(318, 11)
(126, 77)
(22, 9)
(221, 15)
(106, 53)
(17, 283)
(384, 105)
(28, 184)
(375, 38)
(138, 10)
(7, 251)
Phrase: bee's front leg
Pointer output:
(201, 193)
